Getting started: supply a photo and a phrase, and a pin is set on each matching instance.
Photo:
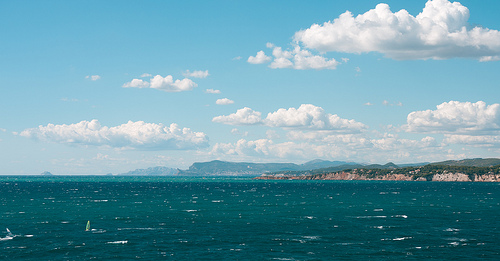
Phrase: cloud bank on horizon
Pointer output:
(440, 31)
(311, 131)
(131, 135)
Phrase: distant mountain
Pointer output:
(320, 164)
(154, 171)
(478, 162)
(225, 168)
(46, 173)
(345, 166)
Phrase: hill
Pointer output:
(470, 162)
(225, 168)
(154, 171)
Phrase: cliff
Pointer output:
(425, 173)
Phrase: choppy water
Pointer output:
(227, 219)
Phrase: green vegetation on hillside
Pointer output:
(427, 171)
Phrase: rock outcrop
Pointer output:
(452, 177)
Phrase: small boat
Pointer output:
(9, 236)
(87, 228)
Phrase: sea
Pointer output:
(174, 218)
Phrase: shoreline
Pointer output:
(443, 177)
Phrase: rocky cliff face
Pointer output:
(394, 177)
(487, 178)
(451, 177)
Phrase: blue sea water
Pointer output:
(241, 219)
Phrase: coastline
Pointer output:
(345, 175)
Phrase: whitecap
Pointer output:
(371, 217)
(118, 242)
(311, 237)
(401, 216)
(452, 229)
(401, 238)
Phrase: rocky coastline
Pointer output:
(346, 175)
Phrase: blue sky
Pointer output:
(96, 87)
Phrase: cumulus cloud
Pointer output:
(307, 116)
(237, 132)
(93, 77)
(245, 116)
(163, 83)
(212, 91)
(196, 74)
(476, 141)
(136, 83)
(224, 101)
(440, 31)
(139, 135)
(458, 118)
(311, 117)
(265, 148)
(351, 147)
(297, 58)
(261, 57)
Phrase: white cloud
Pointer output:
(336, 147)
(245, 116)
(163, 83)
(440, 31)
(311, 117)
(224, 101)
(93, 77)
(476, 141)
(368, 104)
(196, 74)
(387, 103)
(139, 135)
(297, 58)
(272, 134)
(307, 116)
(261, 57)
(146, 75)
(136, 83)
(237, 58)
(69, 100)
(212, 91)
(237, 132)
(457, 117)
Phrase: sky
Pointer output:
(97, 87)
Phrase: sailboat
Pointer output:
(9, 234)
(87, 228)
